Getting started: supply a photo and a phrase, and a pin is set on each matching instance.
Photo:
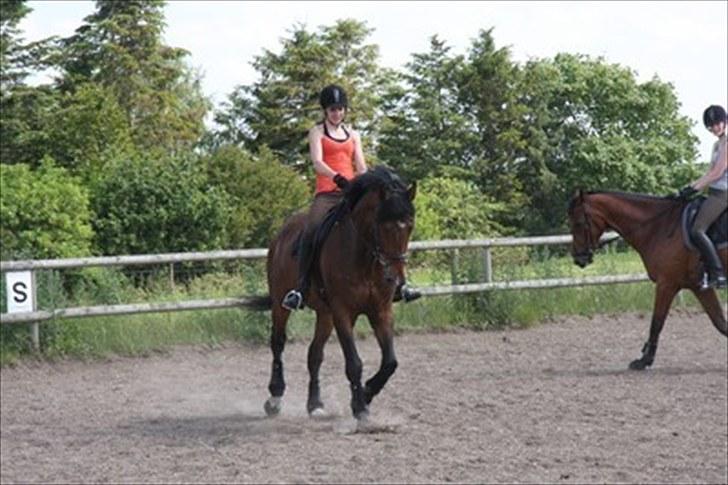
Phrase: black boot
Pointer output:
(404, 292)
(715, 277)
(294, 298)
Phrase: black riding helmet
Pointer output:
(333, 95)
(713, 114)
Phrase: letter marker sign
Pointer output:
(19, 291)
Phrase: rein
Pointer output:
(376, 252)
(591, 246)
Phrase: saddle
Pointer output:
(717, 232)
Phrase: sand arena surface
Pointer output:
(553, 404)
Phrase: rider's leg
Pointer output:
(713, 206)
(294, 299)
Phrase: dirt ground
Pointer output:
(550, 404)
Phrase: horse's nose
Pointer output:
(583, 260)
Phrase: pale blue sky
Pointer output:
(682, 42)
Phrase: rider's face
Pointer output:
(717, 129)
(335, 114)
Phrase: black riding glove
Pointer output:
(686, 192)
(341, 181)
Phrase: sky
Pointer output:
(684, 43)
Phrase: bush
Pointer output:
(263, 192)
(158, 206)
(45, 213)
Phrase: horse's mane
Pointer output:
(395, 206)
(621, 194)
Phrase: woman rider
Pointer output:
(716, 179)
(337, 156)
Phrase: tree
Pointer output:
(425, 127)
(12, 51)
(120, 48)
(488, 90)
(590, 124)
(278, 110)
(88, 130)
(24, 110)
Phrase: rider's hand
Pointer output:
(686, 192)
(341, 181)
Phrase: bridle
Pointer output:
(591, 245)
(379, 256)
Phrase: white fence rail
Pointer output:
(171, 258)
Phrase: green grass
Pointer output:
(147, 333)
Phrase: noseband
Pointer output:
(588, 252)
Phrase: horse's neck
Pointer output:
(356, 231)
(632, 217)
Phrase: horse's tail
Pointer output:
(258, 303)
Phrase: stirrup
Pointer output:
(713, 281)
(293, 300)
(409, 294)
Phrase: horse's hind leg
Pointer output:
(382, 326)
(712, 306)
(324, 326)
(664, 294)
(277, 385)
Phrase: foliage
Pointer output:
(45, 213)
(449, 208)
(146, 206)
(87, 130)
(24, 110)
(424, 127)
(591, 124)
(120, 47)
(262, 191)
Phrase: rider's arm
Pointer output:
(317, 153)
(359, 164)
(715, 172)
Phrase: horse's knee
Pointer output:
(354, 369)
(390, 367)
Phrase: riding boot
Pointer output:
(715, 274)
(404, 292)
(294, 298)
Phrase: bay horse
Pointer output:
(650, 225)
(356, 269)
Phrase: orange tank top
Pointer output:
(339, 155)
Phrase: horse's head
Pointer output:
(382, 206)
(585, 229)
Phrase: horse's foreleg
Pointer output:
(382, 326)
(345, 332)
(277, 385)
(324, 325)
(664, 294)
(709, 300)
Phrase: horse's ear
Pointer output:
(412, 190)
(580, 194)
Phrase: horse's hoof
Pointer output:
(638, 364)
(368, 395)
(362, 416)
(317, 413)
(273, 406)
